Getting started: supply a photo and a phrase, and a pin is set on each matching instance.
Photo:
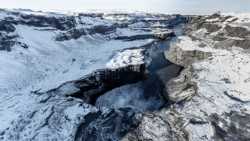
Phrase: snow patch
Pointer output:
(127, 57)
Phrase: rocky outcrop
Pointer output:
(200, 93)
(71, 34)
(181, 55)
(75, 26)
(90, 87)
(240, 32)
(231, 126)
(77, 33)
(182, 87)
(158, 126)
(109, 125)
(61, 23)
(222, 31)
(102, 29)
(39, 100)
(8, 40)
(161, 36)
(175, 87)
(6, 26)
(209, 98)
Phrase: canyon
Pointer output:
(124, 76)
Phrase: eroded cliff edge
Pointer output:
(208, 100)
(79, 76)
(210, 97)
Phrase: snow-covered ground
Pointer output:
(38, 62)
(216, 79)
(128, 57)
(222, 78)
(47, 63)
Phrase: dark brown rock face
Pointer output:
(90, 87)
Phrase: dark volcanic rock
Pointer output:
(161, 36)
(245, 43)
(237, 31)
(108, 126)
(102, 29)
(7, 41)
(95, 84)
(77, 33)
(158, 126)
(211, 27)
(6, 45)
(6, 26)
(71, 34)
(62, 113)
(242, 43)
(61, 23)
(225, 29)
(233, 126)
(176, 20)
(100, 15)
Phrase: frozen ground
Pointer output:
(47, 64)
(214, 87)
(37, 61)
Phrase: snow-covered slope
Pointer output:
(62, 77)
(47, 61)
(39, 51)
(210, 97)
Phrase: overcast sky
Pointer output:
(161, 6)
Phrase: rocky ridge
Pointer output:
(64, 67)
(210, 96)
(198, 92)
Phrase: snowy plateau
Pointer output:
(120, 76)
